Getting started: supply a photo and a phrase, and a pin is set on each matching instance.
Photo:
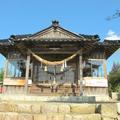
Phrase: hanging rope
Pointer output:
(46, 62)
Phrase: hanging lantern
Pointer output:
(45, 68)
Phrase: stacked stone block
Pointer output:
(58, 111)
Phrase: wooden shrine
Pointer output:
(55, 61)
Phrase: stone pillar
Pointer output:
(27, 73)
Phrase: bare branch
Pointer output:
(114, 16)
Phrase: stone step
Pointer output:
(45, 107)
(53, 116)
(47, 116)
(38, 98)
(16, 110)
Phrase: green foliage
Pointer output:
(1, 75)
(114, 78)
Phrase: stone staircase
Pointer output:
(31, 110)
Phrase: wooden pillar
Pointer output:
(5, 74)
(34, 72)
(27, 73)
(105, 68)
(78, 72)
(31, 71)
(54, 81)
(81, 73)
(5, 69)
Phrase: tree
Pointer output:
(1, 75)
(114, 78)
(114, 16)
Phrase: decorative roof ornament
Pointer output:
(55, 24)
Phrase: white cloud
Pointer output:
(112, 35)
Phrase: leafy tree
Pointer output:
(114, 78)
(1, 75)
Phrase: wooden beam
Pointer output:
(55, 52)
(27, 73)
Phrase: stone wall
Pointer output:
(115, 96)
(58, 111)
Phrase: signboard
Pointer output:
(95, 82)
(16, 81)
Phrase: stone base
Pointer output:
(19, 110)
(75, 99)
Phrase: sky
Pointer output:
(78, 16)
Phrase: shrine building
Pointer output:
(55, 61)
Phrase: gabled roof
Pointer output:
(5, 42)
(55, 33)
(110, 46)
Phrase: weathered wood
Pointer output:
(78, 71)
(81, 73)
(31, 70)
(34, 72)
(55, 52)
(105, 68)
(5, 68)
(27, 73)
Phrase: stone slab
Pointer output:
(49, 108)
(10, 116)
(83, 117)
(25, 117)
(68, 117)
(36, 108)
(40, 117)
(6, 107)
(83, 108)
(108, 109)
(21, 97)
(64, 108)
(2, 115)
(24, 108)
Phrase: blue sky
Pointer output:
(79, 16)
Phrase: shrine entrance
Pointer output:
(57, 79)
